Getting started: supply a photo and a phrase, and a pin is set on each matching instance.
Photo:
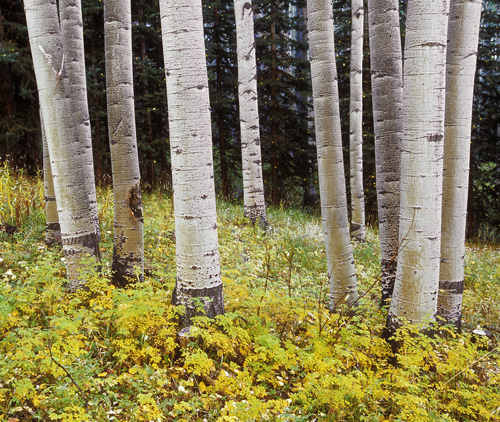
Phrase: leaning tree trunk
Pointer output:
(78, 233)
(52, 227)
(356, 122)
(341, 271)
(72, 39)
(128, 251)
(198, 268)
(463, 34)
(387, 96)
(253, 185)
(417, 279)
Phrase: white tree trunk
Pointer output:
(78, 233)
(198, 268)
(356, 122)
(387, 96)
(128, 251)
(341, 270)
(52, 228)
(417, 279)
(253, 185)
(463, 34)
(72, 39)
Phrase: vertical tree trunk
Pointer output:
(128, 252)
(72, 39)
(417, 279)
(78, 232)
(356, 122)
(341, 271)
(52, 227)
(198, 268)
(387, 95)
(463, 34)
(253, 185)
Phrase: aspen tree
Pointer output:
(72, 38)
(197, 252)
(356, 122)
(341, 270)
(417, 279)
(387, 96)
(78, 234)
(128, 243)
(253, 185)
(52, 227)
(463, 35)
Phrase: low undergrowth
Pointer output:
(106, 354)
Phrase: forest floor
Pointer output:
(108, 354)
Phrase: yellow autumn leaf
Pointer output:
(103, 375)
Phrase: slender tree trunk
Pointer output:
(128, 252)
(417, 279)
(387, 96)
(72, 39)
(253, 185)
(78, 232)
(356, 122)
(198, 268)
(341, 271)
(463, 35)
(52, 227)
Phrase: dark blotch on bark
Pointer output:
(123, 271)
(389, 268)
(135, 202)
(212, 299)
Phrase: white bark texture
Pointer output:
(341, 270)
(356, 122)
(52, 228)
(387, 96)
(198, 268)
(463, 35)
(72, 39)
(78, 233)
(128, 251)
(253, 185)
(417, 279)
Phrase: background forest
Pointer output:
(210, 316)
(288, 148)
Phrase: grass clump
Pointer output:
(277, 354)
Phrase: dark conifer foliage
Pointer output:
(20, 136)
(484, 184)
(284, 99)
(220, 42)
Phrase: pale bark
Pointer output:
(341, 270)
(463, 34)
(198, 268)
(78, 233)
(356, 122)
(417, 279)
(52, 227)
(253, 185)
(387, 96)
(128, 251)
(72, 39)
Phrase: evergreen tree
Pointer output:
(284, 89)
